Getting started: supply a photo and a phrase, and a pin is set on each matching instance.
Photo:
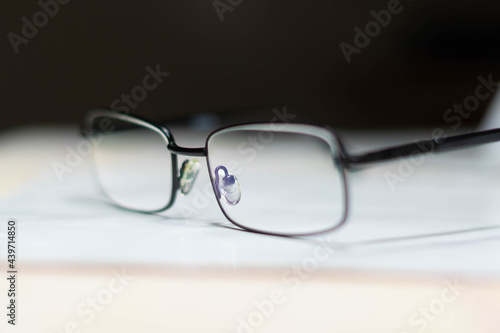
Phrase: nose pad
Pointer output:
(227, 186)
(189, 172)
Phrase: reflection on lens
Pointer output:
(133, 164)
(289, 179)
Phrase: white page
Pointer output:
(443, 219)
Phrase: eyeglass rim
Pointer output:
(322, 133)
(163, 131)
(327, 135)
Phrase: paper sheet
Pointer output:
(443, 218)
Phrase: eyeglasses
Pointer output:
(274, 178)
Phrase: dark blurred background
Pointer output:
(263, 52)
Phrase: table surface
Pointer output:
(401, 250)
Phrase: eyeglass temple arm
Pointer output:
(426, 146)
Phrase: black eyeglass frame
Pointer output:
(345, 160)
